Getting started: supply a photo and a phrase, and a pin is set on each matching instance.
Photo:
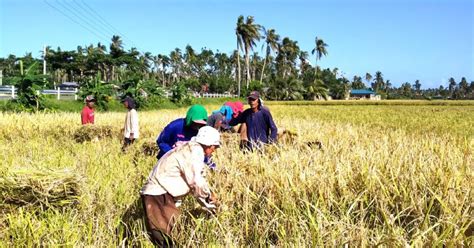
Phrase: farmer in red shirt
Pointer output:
(87, 114)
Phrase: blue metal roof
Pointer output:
(362, 92)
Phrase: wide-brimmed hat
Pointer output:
(208, 136)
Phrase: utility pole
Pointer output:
(1, 77)
(44, 60)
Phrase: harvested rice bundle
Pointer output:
(287, 136)
(94, 133)
(43, 187)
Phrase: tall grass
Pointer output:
(386, 175)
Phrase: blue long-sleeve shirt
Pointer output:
(174, 132)
(260, 125)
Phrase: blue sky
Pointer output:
(429, 40)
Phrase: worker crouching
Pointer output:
(178, 173)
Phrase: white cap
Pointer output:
(208, 136)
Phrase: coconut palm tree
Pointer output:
(238, 32)
(357, 83)
(250, 34)
(388, 85)
(303, 57)
(288, 52)
(156, 65)
(378, 81)
(176, 61)
(116, 47)
(271, 40)
(417, 86)
(320, 51)
(145, 63)
(368, 77)
(255, 61)
(190, 59)
(463, 87)
(101, 48)
(165, 62)
(317, 90)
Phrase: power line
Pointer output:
(108, 24)
(84, 12)
(80, 24)
(79, 17)
(94, 16)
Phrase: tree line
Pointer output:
(282, 72)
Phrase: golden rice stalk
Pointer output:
(94, 133)
(40, 187)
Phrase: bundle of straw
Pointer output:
(287, 136)
(40, 187)
(94, 132)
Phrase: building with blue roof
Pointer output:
(363, 94)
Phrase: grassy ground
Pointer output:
(391, 175)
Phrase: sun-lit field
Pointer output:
(385, 175)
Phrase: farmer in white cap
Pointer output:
(178, 173)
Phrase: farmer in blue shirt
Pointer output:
(182, 129)
(258, 121)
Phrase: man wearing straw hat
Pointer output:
(179, 172)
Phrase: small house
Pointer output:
(364, 94)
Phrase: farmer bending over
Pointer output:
(177, 173)
(220, 118)
(182, 129)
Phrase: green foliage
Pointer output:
(192, 83)
(286, 89)
(254, 85)
(138, 72)
(29, 86)
(102, 91)
(180, 94)
(144, 92)
(220, 84)
(316, 90)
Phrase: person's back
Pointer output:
(178, 173)
(181, 130)
(167, 175)
(174, 132)
(215, 120)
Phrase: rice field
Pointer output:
(390, 175)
